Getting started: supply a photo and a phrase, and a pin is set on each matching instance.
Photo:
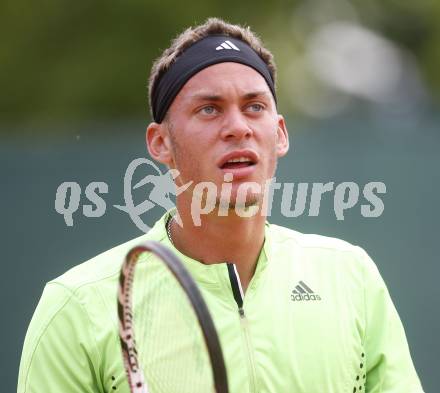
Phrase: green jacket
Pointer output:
(316, 318)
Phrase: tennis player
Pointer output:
(295, 313)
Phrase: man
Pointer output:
(318, 315)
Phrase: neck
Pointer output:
(219, 239)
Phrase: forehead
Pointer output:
(223, 79)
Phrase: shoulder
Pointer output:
(318, 249)
(106, 265)
(90, 282)
(281, 235)
(78, 290)
(85, 291)
(77, 304)
(99, 268)
(90, 287)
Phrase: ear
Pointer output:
(159, 143)
(282, 137)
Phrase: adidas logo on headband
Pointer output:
(197, 57)
(227, 45)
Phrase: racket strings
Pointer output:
(169, 341)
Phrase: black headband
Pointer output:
(210, 50)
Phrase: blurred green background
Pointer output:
(358, 82)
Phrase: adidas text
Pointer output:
(305, 297)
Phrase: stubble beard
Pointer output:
(232, 204)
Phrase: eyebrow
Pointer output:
(216, 97)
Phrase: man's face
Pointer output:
(223, 121)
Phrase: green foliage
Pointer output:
(64, 61)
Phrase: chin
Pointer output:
(242, 203)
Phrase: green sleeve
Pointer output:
(389, 366)
(59, 353)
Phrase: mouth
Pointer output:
(237, 163)
(238, 160)
(240, 163)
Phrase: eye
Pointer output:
(208, 110)
(256, 107)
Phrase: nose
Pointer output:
(235, 126)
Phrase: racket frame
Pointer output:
(133, 369)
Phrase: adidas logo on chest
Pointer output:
(302, 292)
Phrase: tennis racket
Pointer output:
(177, 349)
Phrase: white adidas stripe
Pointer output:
(232, 45)
(227, 45)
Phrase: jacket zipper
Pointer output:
(237, 291)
